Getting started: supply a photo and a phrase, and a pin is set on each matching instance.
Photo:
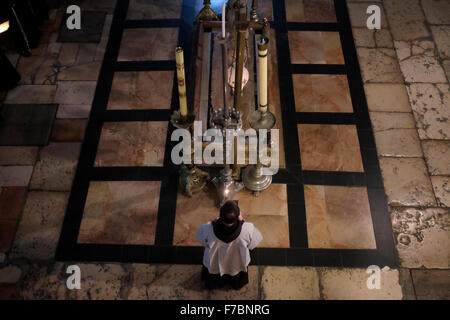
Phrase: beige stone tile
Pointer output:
(18, 156)
(290, 283)
(272, 201)
(406, 19)
(56, 166)
(180, 282)
(120, 212)
(379, 65)
(422, 69)
(382, 121)
(422, 237)
(44, 282)
(331, 211)
(441, 35)
(68, 54)
(446, 65)
(27, 68)
(148, 9)
(130, 90)
(364, 37)
(87, 53)
(15, 176)
(436, 11)
(46, 74)
(387, 97)
(398, 143)
(358, 15)
(295, 11)
(406, 182)
(38, 232)
(75, 92)
(437, 156)
(148, 44)
(101, 282)
(430, 106)
(88, 71)
(248, 292)
(126, 144)
(431, 284)
(73, 111)
(441, 186)
(36, 94)
(329, 148)
(383, 38)
(351, 284)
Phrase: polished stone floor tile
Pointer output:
(26, 124)
(274, 229)
(91, 28)
(329, 148)
(314, 47)
(322, 93)
(338, 217)
(310, 11)
(270, 202)
(141, 90)
(124, 144)
(148, 44)
(193, 212)
(407, 182)
(120, 212)
(68, 130)
(150, 9)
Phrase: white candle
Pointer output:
(262, 70)
(223, 20)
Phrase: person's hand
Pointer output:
(240, 216)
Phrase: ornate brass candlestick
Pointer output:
(225, 119)
(260, 119)
(206, 14)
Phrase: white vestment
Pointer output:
(228, 258)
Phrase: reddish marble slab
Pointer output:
(124, 144)
(310, 11)
(321, 93)
(145, 44)
(338, 217)
(329, 148)
(11, 202)
(315, 47)
(272, 201)
(141, 90)
(120, 212)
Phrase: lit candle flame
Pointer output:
(4, 26)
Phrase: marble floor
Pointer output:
(86, 177)
(323, 196)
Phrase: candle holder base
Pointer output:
(226, 187)
(254, 180)
(262, 120)
(181, 122)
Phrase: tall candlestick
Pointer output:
(262, 69)
(223, 20)
(181, 80)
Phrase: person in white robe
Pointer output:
(227, 241)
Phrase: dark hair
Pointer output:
(229, 212)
